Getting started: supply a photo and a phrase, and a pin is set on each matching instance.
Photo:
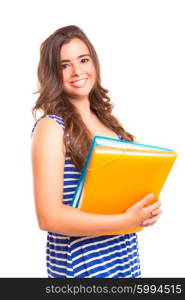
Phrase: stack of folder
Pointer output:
(118, 173)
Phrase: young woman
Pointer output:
(75, 108)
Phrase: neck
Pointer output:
(83, 108)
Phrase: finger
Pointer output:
(146, 200)
(154, 206)
(150, 221)
(156, 212)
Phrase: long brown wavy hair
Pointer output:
(53, 100)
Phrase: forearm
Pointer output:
(73, 222)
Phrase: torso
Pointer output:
(96, 127)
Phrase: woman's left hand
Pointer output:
(155, 214)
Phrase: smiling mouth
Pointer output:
(79, 83)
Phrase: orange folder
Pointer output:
(117, 174)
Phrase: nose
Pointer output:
(76, 69)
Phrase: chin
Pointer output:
(78, 93)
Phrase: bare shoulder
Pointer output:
(47, 143)
(47, 128)
(47, 133)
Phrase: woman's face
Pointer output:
(78, 69)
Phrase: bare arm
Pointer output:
(47, 167)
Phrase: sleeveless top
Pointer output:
(110, 256)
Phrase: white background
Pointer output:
(141, 48)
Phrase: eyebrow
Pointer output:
(82, 55)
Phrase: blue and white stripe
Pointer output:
(114, 256)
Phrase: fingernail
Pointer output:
(150, 196)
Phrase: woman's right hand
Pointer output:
(143, 214)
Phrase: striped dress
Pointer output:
(113, 256)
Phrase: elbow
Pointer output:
(42, 227)
(47, 222)
(42, 224)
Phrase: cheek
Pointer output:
(91, 71)
(66, 75)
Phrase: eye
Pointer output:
(64, 66)
(84, 60)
